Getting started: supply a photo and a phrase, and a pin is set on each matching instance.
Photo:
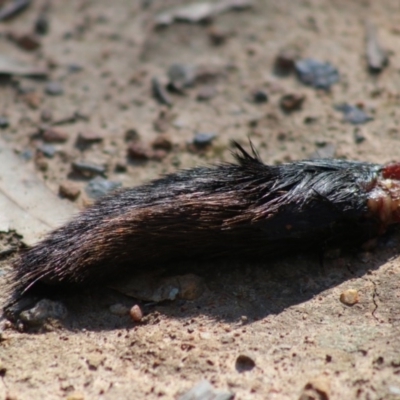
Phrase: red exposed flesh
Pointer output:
(384, 198)
(391, 171)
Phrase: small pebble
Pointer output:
(163, 121)
(87, 168)
(292, 102)
(27, 41)
(136, 313)
(46, 115)
(316, 73)
(162, 142)
(244, 363)
(69, 190)
(138, 153)
(203, 139)
(353, 114)
(3, 369)
(33, 99)
(377, 56)
(89, 137)
(206, 92)
(54, 135)
(285, 62)
(132, 135)
(54, 89)
(119, 309)
(181, 76)
(98, 187)
(217, 36)
(358, 136)
(159, 92)
(74, 68)
(259, 96)
(4, 123)
(42, 311)
(158, 155)
(48, 150)
(120, 167)
(41, 163)
(26, 155)
(42, 24)
(349, 297)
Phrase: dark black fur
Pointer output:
(245, 211)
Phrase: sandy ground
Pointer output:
(285, 316)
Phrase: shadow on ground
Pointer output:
(242, 292)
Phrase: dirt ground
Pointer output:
(286, 316)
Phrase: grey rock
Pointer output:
(42, 311)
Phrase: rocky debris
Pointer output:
(4, 122)
(284, 63)
(98, 187)
(180, 77)
(160, 93)
(163, 120)
(292, 102)
(359, 136)
(120, 167)
(88, 168)
(54, 135)
(131, 135)
(41, 163)
(200, 12)
(87, 138)
(42, 24)
(48, 150)
(349, 297)
(13, 8)
(259, 96)
(138, 152)
(26, 41)
(162, 142)
(244, 363)
(203, 139)
(71, 119)
(42, 311)
(320, 75)
(74, 68)
(353, 114)
(32, 98)
(136, 313)
(208, 73)
(54, 89)
(206, 92)
(377, 56)
(217, 36)
(69, 190)
(205, 391)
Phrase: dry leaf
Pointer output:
(27, 206)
